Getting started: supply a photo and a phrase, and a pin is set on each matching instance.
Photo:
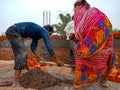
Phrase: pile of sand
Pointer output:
(38, 79)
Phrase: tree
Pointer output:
(116, 30)
(60, 26)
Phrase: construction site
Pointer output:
(49, 76)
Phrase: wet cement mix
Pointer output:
(38, 79)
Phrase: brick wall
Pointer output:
(59, 44)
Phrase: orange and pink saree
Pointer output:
(95, 46)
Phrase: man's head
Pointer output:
(72, 36)
(49, 28)
(73, 17)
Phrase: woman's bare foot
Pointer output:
(104, 84)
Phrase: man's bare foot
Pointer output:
(17, 85)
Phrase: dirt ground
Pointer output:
(38, 80)
(32, 80)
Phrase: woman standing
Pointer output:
(94, 49)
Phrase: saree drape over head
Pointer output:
(95, 46)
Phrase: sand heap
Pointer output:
(38, 79)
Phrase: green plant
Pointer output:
(60, 26)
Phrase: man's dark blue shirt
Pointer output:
(36, 32)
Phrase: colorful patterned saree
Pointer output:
(94, 51)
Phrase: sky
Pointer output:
(14, 11)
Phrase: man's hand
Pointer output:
(40, 59)
(53, 57)
(58, 62)
(41, 62)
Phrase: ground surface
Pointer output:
(40, 80)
